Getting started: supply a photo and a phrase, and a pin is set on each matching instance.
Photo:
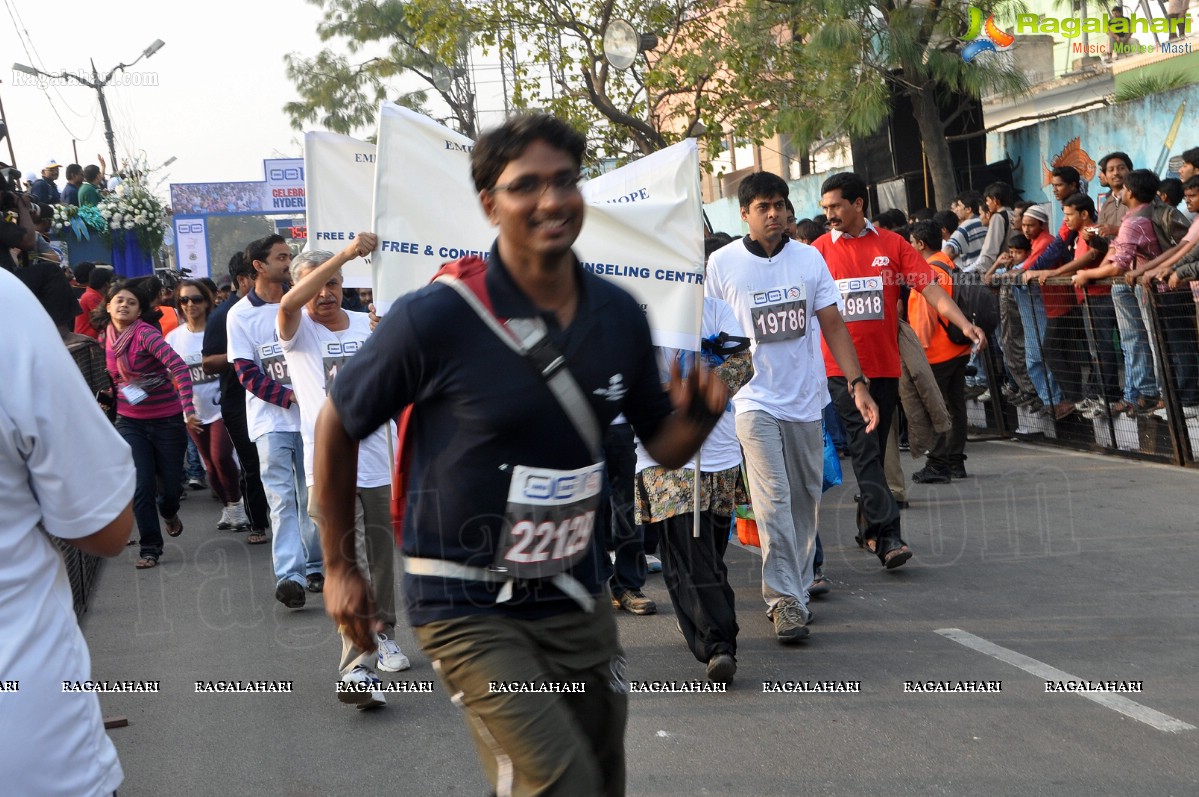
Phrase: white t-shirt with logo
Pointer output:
(64, 470)
(776, 300)
(206, 388)
(314, 355)
(252, 336)
(720, 450)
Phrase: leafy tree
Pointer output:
(641, 109)
(343, 95)
(838, 61)
(552, 51)
(752, 68)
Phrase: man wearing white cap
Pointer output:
(44, 190)
(1035, 226)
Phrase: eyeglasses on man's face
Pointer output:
(531, 185)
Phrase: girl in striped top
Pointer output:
(154, 410)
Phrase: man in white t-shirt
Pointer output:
(273, 420)
(785, 299)
(75, 481)
(317, 337)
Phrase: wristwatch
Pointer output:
(854, 383)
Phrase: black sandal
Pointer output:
(146, 562)
(896, 556)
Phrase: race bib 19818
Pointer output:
(861, 298)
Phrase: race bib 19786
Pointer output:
(779, 313)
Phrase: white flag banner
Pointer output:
(339, 176)
(191, 245)
(643, 227)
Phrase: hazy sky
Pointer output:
(221, 85)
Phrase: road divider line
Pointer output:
(1129, 708)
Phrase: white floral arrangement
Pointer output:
(132, 207)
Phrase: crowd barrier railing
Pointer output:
(1114, 367)
(81, 571)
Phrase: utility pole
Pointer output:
(108, 136)
(97, 84)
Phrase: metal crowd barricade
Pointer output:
(81, 571)
(1077, 363)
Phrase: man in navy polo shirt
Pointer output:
(492, 453)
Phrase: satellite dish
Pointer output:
(621, 44)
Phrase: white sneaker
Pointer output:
(226, 521)
(653, 564)
(362, 688)
(390, 657)
(1191, 411)
(237, 516)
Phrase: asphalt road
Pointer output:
(1046, 565)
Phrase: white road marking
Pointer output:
(1129, 708)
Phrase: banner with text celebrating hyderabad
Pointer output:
(643, 227)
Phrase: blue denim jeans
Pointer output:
(295, 548)
(834, 427)
(193, 467)
(1139, 381)
(1032, 316)
(158, 447)
(1101, 323)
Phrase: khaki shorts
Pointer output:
(565, 743)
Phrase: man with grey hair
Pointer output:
(317, 337)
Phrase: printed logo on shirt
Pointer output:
(882, 261)
(615, 390)
(775, 295)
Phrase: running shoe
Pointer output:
(390, 657)
(361, 688)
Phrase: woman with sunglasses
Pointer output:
(154, 407)
(194, 302)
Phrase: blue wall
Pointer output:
(1138, 127)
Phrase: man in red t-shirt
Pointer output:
(869, 264)
(97, 282)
